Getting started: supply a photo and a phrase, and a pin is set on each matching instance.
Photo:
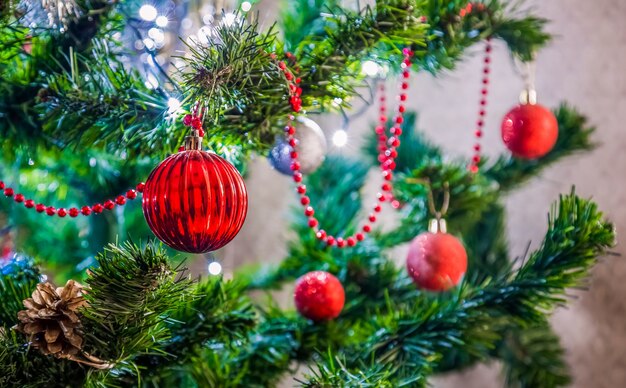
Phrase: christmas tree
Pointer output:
(95, 95)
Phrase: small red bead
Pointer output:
(382, 118)
(8, 192)
(309, 211)
(291, 130)
(482, 112)
(297, 177)
(386, 187)
(40, 208)
(131, 194)
(321, 234)
(330, 241)
(393, 141)
(487, 60)
(50, 210)
(301, 189)
(473, 168)
(281, 65)
(488, 48)
(372, 218)
(340, 242)
(393, 153)
(298, 80)
(74, 212)
(485, 81)
(187, 120)
(380, 130)
(85, 210)
(61, 212)
(405, 74)
(140, 187)
(351, 241)
(476, 158)
(405, 86)
(395, 204)
(29, 203)
(196, 122)
(381, 197)
(120, 200)
(483, 92)
(387, 175)
(108, 204)
(19, 198)
(483, 102)
(312, 222)
(294, 155)
(480, 123)
(477, 147)
(295, 166)
(367, 228)
(486, 71)
(401, 109)
(293, 142)
(305, 201)
(97, 208)
(1, 185)
(403, 97)
(399, 120)
(360, 236)
(289, 76)
(200, 132)
(377, 208)
(478, 133)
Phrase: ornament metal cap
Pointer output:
(437, 225)
(193, 141)
(528, 96)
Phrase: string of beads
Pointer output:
(387, 154)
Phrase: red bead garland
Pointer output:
(73, 212)
(482, 110)
(387, 147)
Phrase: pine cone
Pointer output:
(51, 319)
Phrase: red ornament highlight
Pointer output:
(529, 131)
(319, 296)
(195, 201)
(436, 261)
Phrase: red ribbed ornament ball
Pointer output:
(436, 261)
(195, 201)
(319, 296)
(529, 131)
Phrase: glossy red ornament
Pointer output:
(436, 261)
(195, 201)
(319, 296)
(529, 131)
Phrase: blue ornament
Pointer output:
(19, 266)
(311, 148)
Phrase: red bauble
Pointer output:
(436, 261)
(529, 131)
(319, 296)
(195, 201)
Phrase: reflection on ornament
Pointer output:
(311, 149)
(529, 131)
(436, 260)
(195, 201)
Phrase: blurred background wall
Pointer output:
(585, 66)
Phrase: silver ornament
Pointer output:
(311, 148)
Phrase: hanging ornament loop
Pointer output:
(193, 141)
(529, 94)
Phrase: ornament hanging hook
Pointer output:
(438, 223)
(528, 71)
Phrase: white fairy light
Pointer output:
(173, 105)
(370, 68)
(149, 43)
(246, 6)
(215, 268)
(157, 35)
(340, 138)
(229, 19)
(147, 12)
(162, 21)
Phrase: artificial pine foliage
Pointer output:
(77, 119)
